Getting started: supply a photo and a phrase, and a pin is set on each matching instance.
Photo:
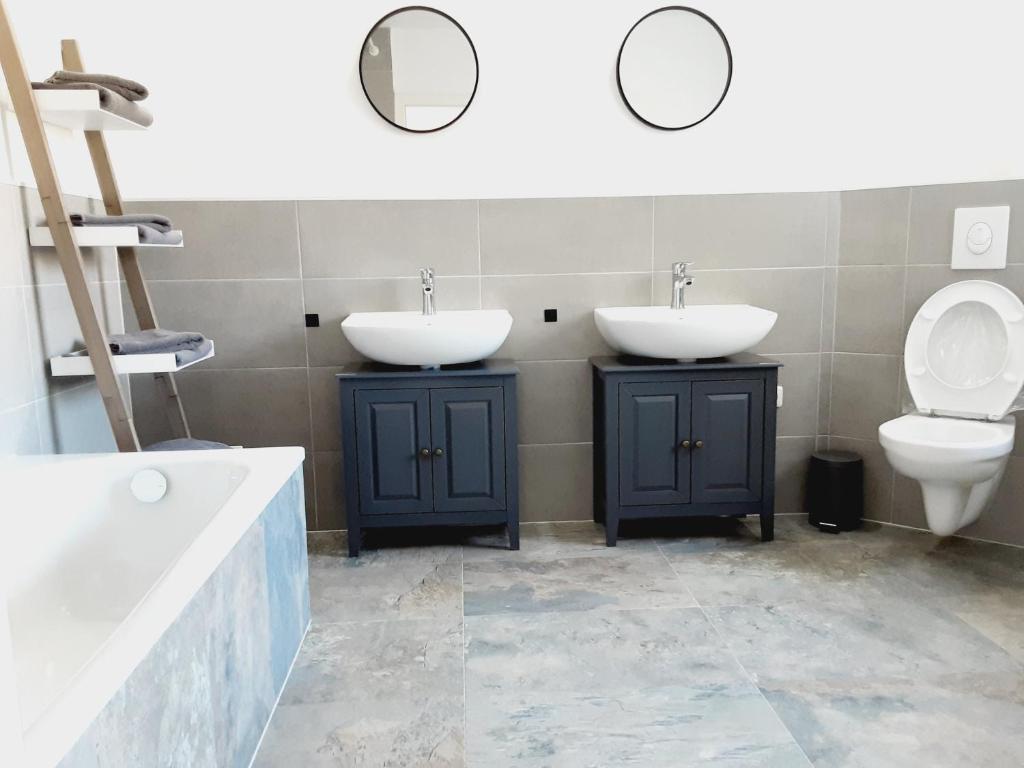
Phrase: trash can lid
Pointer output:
(837, 457)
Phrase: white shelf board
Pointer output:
(95, 237)
(80, 110)
(79, 364)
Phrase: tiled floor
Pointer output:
(697, 645)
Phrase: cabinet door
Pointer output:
(654, 467)
(728, 420)
(392, 431)
(468, 429)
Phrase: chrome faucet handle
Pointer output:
(679, 268)
(427, 275)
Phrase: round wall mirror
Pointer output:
(419, 69)
(674, 68)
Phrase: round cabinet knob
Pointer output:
(424, 451)
(684, 444)
(699, 444)
(438, 452)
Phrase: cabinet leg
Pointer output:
(513, 534)
(767, 526)
(355, 541)
(611, 530)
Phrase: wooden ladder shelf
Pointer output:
(68, 253)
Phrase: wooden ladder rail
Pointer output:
(127, 255)
(57, 219)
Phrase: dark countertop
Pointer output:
(490, 367)
(627, 363)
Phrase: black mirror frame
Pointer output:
(362, 81)
(618, 66)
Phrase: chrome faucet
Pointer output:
(427, 278)
(680, 282)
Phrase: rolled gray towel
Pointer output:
(152, 236)
(154, 341)
(186, 444)
(151, 220)
(109, 101)
(122, 86)
(186, 356)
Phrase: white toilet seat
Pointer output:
(941, 441)
(964, 354)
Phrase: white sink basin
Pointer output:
(712, 330)
(412, 338)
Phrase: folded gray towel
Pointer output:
(186, 444)
(110, 101)
(154, 341)
(152, 220)
(186, 356)
(122, 86)
(152, 236)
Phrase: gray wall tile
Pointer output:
(254, 323)
(17, 385)
(335, 299)
(795, 294)
(729, 231)
(873, 227)
(869, 310)
(878, 476)
(330, 506)
(907, 503)
(1003, 521)
(799, 379)
(865, 391)
(791, 457)
(824, 393)
(569, 235)
(555, 403)
(19, 431)
(323, 394)
(254, 408)
(54, 330)
(931, 217)
(226, 239)
(556, 482)
(343, 238)
(574, 336)
(74, 421)
(14, 256)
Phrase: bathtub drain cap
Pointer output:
(149, 485)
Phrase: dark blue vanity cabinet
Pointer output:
(429, 447)
(684, 439)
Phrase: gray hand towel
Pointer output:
(186, 356)
(154, 341)
(109, 101)
(151, 220)
(122, 86)
(151, 236)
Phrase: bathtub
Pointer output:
(100, 589)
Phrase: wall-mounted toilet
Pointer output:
(964, 363)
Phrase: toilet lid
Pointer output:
(965, 351)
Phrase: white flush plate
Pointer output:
(979, 237)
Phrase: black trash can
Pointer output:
(835, 490)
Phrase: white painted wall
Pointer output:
(262, 100)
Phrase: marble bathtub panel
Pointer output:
(644, 687)
(287, 576)
(204, 693)
(397, 583)
(571, 584)
(372, 693)
(894, 724)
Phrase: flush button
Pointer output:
(980, 237)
